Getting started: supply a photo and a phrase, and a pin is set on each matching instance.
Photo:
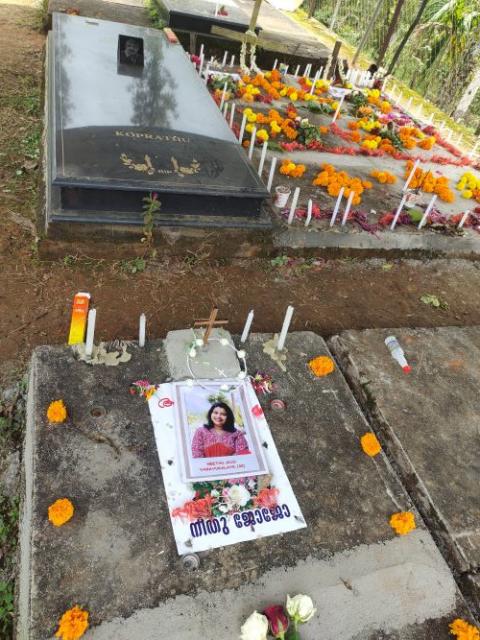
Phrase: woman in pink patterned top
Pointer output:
(219, 437)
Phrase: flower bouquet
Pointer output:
(279, 622)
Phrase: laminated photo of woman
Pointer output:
(219, 437)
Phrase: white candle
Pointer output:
(305, 72)
(216, 9)
(409, 104)
(293, 206)
(297, 70)
(232, 113)
(242, 128)
(224, 61)
(283, 332)
(427, 212)
(232, 60)
(309, 212)
(201, 49)
(337, 111)
(314, 82)
(252, 143)
(412, 173)
(92, 314)
(463, 220)
(337, 206)
(309, 71)
(207, 71)
(262, 158)
(223, 95)
(141, 330)
(272, 173)
(320, 73)
(200, 64)
(275, 64)
(211, 59)
(285, 71)
(226, 107)
(398, 212)
(347, 208)
(246, 328)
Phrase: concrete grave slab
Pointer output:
(429, 421)
(117, 556)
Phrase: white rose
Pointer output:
(255, 627)
(238, 495)
(300, 608)
(214, 493)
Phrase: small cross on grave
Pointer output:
(210, 324)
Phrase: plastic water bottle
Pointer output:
(397, 353)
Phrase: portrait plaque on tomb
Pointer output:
(116, 136)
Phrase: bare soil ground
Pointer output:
(36, 296)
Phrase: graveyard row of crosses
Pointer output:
(264, 110)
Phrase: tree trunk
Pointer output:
(334, 16)
(391, 30)
(312, 5)
(406, 37)
(468, 95)
(370, 26)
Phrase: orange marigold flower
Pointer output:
(321, 366)
(60, 512)
(73, 624)
(57, 412)
(464, 630)
(370, 444)
(403, 522)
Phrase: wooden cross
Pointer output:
(210, 324)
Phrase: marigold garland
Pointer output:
(370, 444)
(57, 412)
(73, 624)
(60, 512)
(403, 522)
(463, 630)
(321, 366)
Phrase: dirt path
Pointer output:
(35, 297)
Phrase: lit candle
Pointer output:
(232, 60)
(337, 206)
(275, 64)
(92, 314)
(309, 212)
(246, 328)
(337, 111)
(141, 330)
(412, 173)
(252, 143)
(224, 61)
(283, 332)
(297, 70)
(463, 220)
(271, 174)
(427, 212)
(224, 92)
(262, 158)
(232, 113)
(293, 206)
(347, 208)
(242, 128)
(398, 212)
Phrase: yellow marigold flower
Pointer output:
(252, 117)
(73, 624)
(60, 512)
(403, 522)
(262, 135)
(463, 630)
(56, 411)
(293, 96)
(467, 193)
(370, 444)
(321, 366)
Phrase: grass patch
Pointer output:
(136, 265)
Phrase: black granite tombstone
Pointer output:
(114, 137)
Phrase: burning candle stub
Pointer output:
(271, 174)
(337, 207)
(246, 328)
(141, 330)
(296, 195)
(283, 332)
(252, 143)
(92, 314)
